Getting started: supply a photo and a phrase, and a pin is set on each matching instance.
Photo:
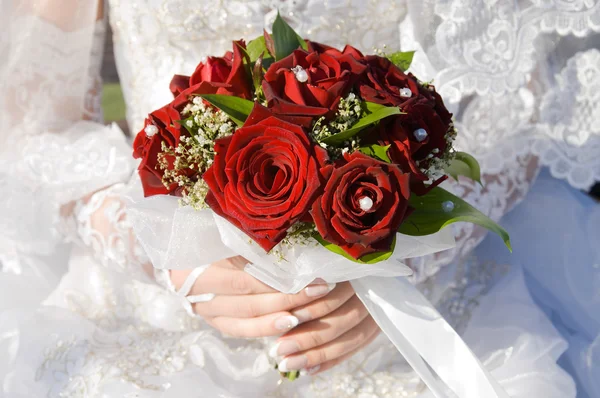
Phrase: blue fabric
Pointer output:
(555, 233)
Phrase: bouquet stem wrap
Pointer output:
(425, 339)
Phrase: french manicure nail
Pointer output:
(310, 371)
(293, 363)
(286, 322)
(273, 350)
(302, 315)
(283, 348)
(319, 290)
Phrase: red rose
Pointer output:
(265, 177)
(217, 75)
(415, 137)
(310, 84)
(160, 126)
(325, 49)
(363, 205)
(384, 83)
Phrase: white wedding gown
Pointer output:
(79, 317)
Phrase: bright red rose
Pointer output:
(325, 49)
(265, 177)
(217, 75)
(363, 205)
(310, 84)
(160, 126)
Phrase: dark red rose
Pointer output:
(265, 177)
(325, 49)
(419, 135)
(310, 84)
(416, 136)
(160, 126)
(384, 83)
(363, 205)
(217, 75)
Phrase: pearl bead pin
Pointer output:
(365, 203)
(300, 73)
(405, 92)
(150, 130)
(420, 135)
(447, 206)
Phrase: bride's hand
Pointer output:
(243, 306)
(333, 329)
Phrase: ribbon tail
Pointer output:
(425, 339)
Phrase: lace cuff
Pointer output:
(100, 223)
(50, 170)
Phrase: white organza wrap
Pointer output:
(177, 237)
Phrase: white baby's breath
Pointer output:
(194, 152)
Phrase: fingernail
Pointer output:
(302, 315)
(319, 290)
(293, 363)
(310, 371)
(283, 348)
(286, 322)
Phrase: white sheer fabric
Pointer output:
(106, 331)
(51, 155)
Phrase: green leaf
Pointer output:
(464, 164)
(236, 108)
(303, 43)
(257, 48)
(430, 216)
(375, 113)
(366, 259)
(285, 39)
(377, 152)
(401, 59)
(183, 123)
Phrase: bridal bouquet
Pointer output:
(309, 162)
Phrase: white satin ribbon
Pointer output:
(425, 339)
(187, 286)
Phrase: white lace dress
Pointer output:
(80, 318)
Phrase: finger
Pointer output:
(251, 306)
(263, 326)
(221, 280)
(330, 364)
(326, 305)
(346, 343)
(321, 331)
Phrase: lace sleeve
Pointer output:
(53, 151)
(522, 80)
